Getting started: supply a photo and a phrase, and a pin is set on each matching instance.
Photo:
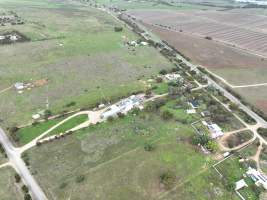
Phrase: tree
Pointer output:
(27, 196)
(118, 29)
(17, 178)
(212, 146)
(159, 79)
(148, 93)
(148, 147)
(25, 189)
(47, 114)
(166, 115)
(80, 178)
(233, 106)
(200, 139)
(163, 72)
(168, 179)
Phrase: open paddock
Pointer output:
(111, 159)
(76, 49)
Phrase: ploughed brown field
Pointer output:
(236, 51)
(236, 28)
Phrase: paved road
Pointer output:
(19, 165)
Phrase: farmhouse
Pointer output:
(257, 177)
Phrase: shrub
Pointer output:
(80, 178)
(166, 115)
(110, 119)
(73, 103)
(159, 79)
(148, 147)
(25, 189)
(163, 72)
(27, 196)
(17, 178)
(167, 179)
(118, 29)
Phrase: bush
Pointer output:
(25, 189)
(110, 119)
(163, 72)
(27, 196)
(118, 29)
(121, 115)
(80, 178)
(148, 147)
(73, 103)
(159, 80)
(166, 115)
(17, 178)
(168, 179)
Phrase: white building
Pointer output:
(257, 177)
(19, 86)
(173, 77)
(123, 106)
(215, 130)
(240, 184)
(110, 112)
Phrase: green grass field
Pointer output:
(112, 162)
(76, 49)
(28, 133)
(8, 189)
(69, 124)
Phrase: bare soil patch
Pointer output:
(238, 138)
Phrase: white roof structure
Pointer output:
(36, 116)
(172, 77)
(110, 112)
(123, 106)
(19, 86)
(257, 177)
(191, 111)
(240, 184)
(144, 43)
(216, 131)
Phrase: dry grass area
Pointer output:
(8, 189)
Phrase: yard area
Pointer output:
(75, 48)
(8, 189)
(109, 161)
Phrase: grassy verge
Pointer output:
(69, 124)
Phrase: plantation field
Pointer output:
(75, 48)
(108, 161)
(8, 189)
